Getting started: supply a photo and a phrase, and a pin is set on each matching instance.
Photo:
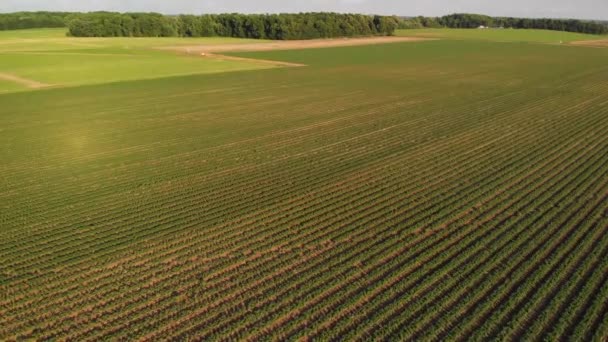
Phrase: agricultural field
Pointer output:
(502, 35)
(54, 60)
(451, 189)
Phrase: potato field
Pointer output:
(428, 191)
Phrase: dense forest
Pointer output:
(476, 20)
(270, 26)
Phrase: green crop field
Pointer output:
(454, 189)
(501, 35)
(49, 57)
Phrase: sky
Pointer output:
(583, 9)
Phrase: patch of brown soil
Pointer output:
(23, 81)
(592, 43)
(291, 44)
(251, 60)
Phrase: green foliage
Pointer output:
(255, 26)
(270, 26)
(106, 24)
(385, 25)
(410, 24)
(569, 25)
(429, 22)
(28, 20)
(466, 20)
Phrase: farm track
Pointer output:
(293, 44)
(410, 213)
(23, 81)
(602, 43)
(252, 60)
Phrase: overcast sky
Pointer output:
(588, 9)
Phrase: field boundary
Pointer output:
(292, 44)
(23, 81)
(251, 60)
(600, 43)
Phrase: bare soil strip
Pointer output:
(592, 43)
(291, 44)
(252, 60)
(23, 81)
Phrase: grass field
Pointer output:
(438, 190)
(500, 35)
(48, 56)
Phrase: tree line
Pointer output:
(465, 20)
(256, 26)
(30, 20)
(270, 26)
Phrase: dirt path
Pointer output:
(23, 81)
(291, 44)
(592, 43)
(251, 60)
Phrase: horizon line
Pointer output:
(287, 12)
